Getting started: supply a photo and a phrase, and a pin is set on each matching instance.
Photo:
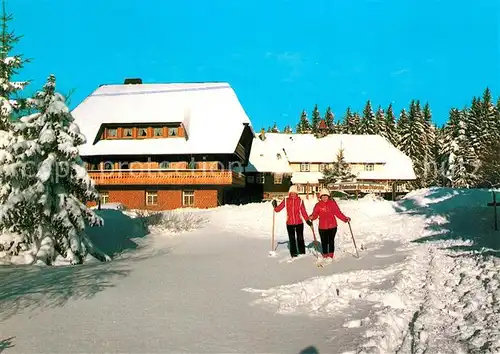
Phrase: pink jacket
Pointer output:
(294, 208)
(327, 213)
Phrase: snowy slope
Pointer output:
(426, 281)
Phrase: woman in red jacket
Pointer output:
(295, 212)
(327, 210)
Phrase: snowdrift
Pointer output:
(442, 298)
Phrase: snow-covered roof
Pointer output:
(306, 148)
(267, 157)
(210, 112)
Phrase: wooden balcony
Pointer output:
(167, 177)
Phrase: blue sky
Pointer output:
(280, 56)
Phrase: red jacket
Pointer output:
(294, 208)
(327, 213)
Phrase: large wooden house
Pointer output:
(377, 165)
(165, 146)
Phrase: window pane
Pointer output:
(172, 131)
(158, 132)
(127, 132)
(143, 132)
(112, 132)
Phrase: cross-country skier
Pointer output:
(327, 210)
(295, 211)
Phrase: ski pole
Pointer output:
(353, 241)
(272, 252)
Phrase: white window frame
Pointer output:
(305, 167)
(104, 197)
(155, 129)
(151, 198)
(278, 178)
(369, 167)
(323, 167)
(109, 130)
(139, 132)
(131, 132)
(173, 131)
(260, 178)
(188, 198)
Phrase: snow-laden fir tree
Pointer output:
(462, 169)
(450, 133)
(349, 123)
(380, 122)
(411, 142)
(475, 126)
(340, 171)
(11, 105)
(368, 124)
(49, 184)
(287, 130)
(304, 127)
(403, 129)
(330, 121)
(430, 149)
(315, 119)
(390, 126)
(357, 123)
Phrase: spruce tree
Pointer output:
(477, 128)
(329, 120)
(430, 148)
(10, 65)
(380, 122)
(461, 160)
(390, 126)
(11, 105)
(315, 119)
(368, 125)
(49, 184)
(403, 129)
(357, 127)
(287, 130)
(340, 172)
(348, 125)
(303, 127)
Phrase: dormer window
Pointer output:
(127, 132)
(142, 132)
(158, 132)
(278, 156)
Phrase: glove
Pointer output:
(275, 203)
(309, 222)
(348, 219)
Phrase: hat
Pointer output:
(293, 189)
(324, 191)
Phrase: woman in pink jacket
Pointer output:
(295, 212)
(327, 210)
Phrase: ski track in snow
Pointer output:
(399, 297)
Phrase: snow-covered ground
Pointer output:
(426, 281)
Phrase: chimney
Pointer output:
(132, 81)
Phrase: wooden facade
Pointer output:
(164, 182)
